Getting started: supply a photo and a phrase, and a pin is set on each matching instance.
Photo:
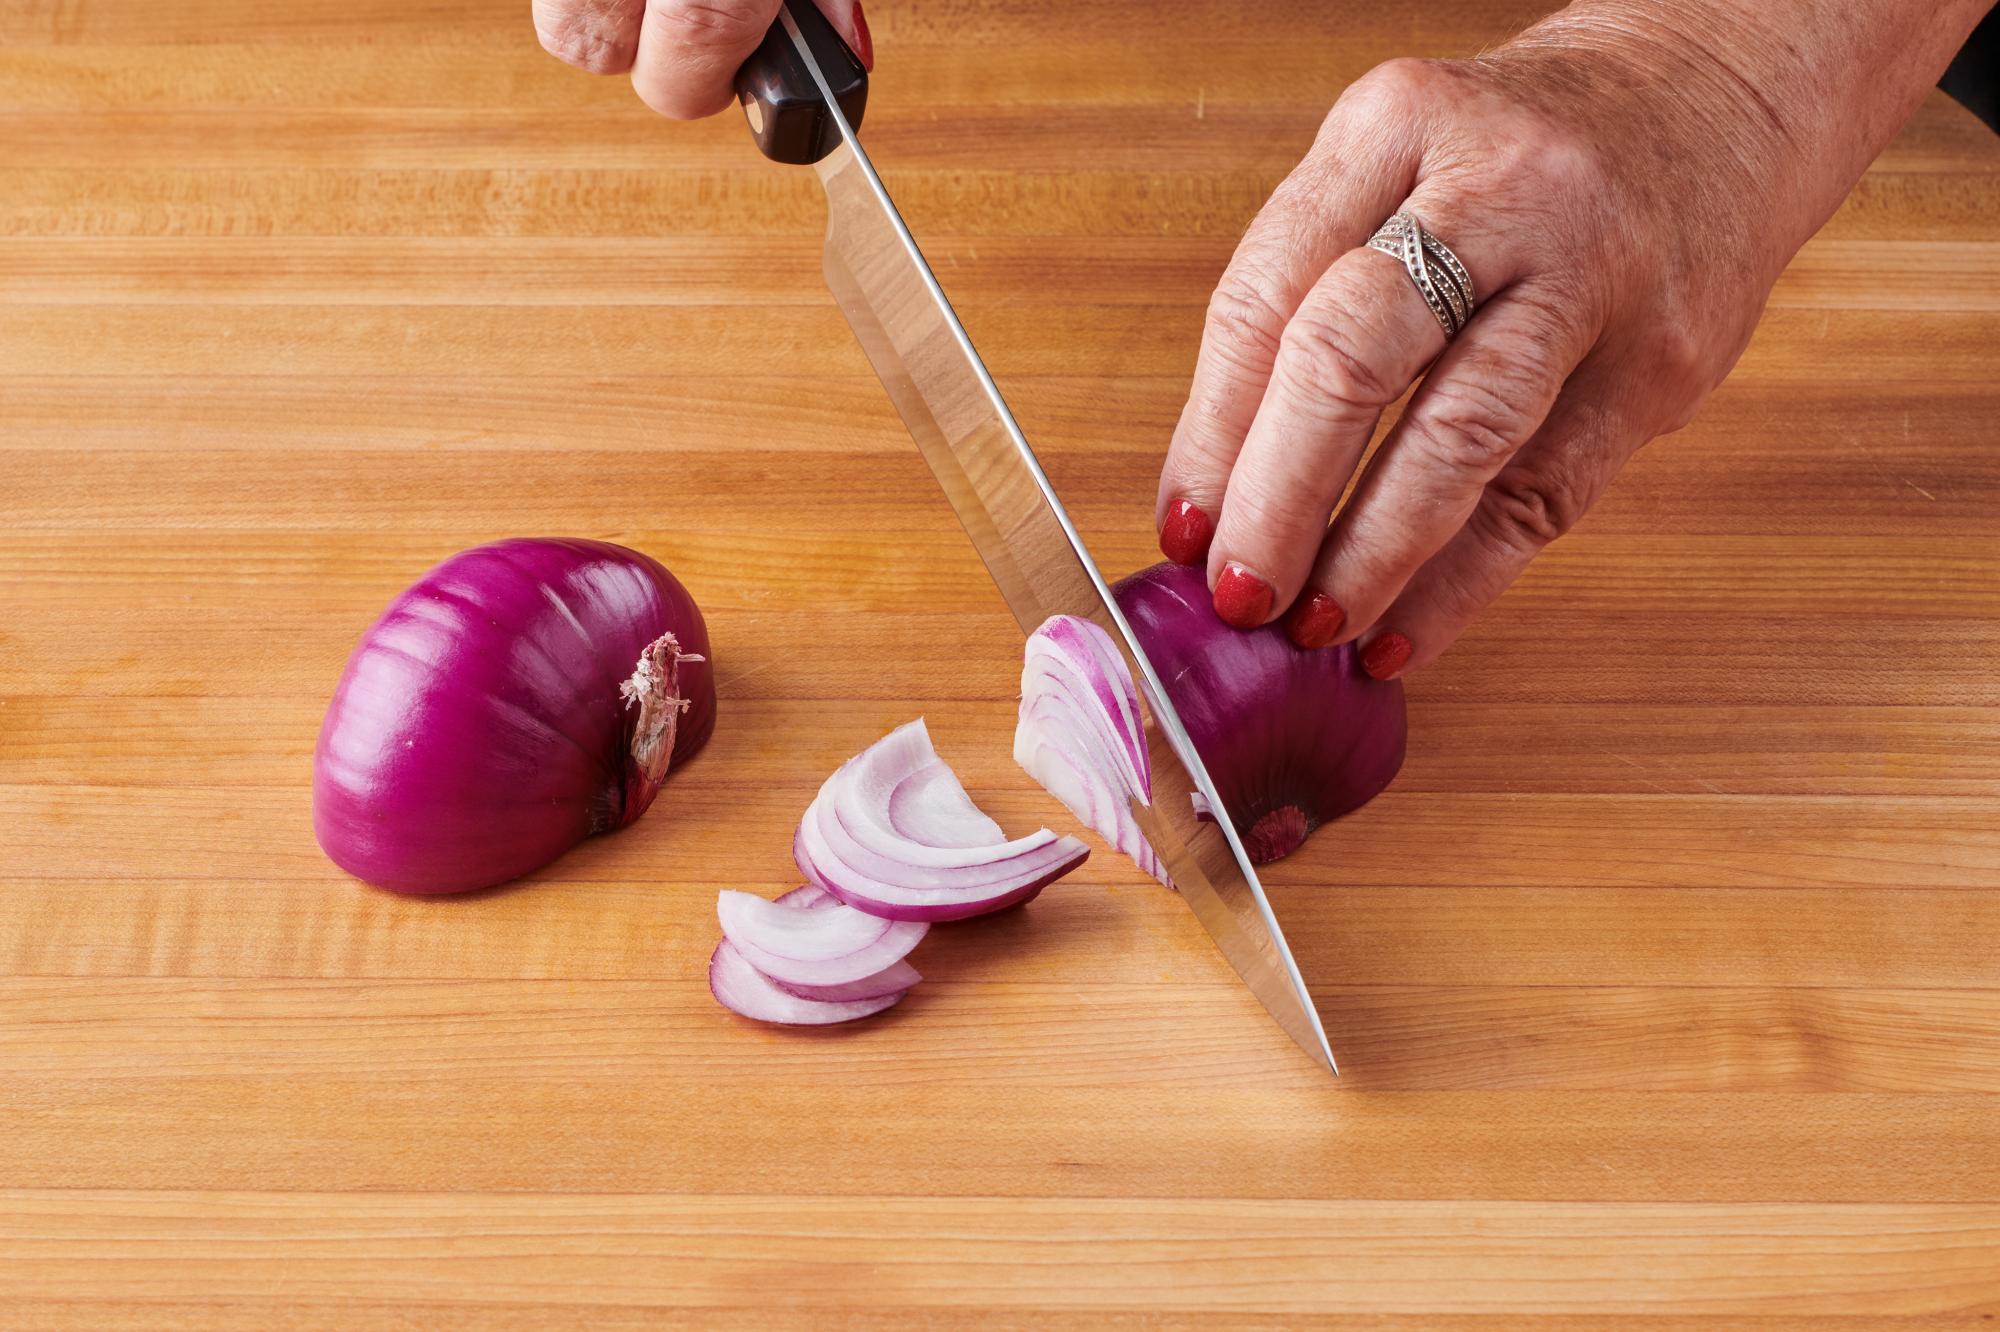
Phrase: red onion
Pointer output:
(1293, 738)
(826, 945)
(848, 948)
(741, 988)
(893, 833)
(518, 698)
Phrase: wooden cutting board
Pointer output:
(1664, 978)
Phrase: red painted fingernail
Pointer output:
(864, 45)
(1384, 657)
(1242, 598)
(1185, 535)
(1314, 619)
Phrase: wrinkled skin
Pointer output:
(1624, 183)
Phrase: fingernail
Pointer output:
(1314, 619)
(1185, 535)
(864, 45)
(1384, 657)
(1242, 598)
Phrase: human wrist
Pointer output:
(1797, 97)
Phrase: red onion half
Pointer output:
(1293, 738)
(518, 698)
(894, 834)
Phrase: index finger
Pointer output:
(1362, 163)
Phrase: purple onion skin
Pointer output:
(478, 731)
(1292, 737)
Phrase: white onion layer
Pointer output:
(894, 834)
(1081, 734)
(828, 945)
(744, 990)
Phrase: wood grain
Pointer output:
(1663, 978)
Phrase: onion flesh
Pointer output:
(1081, 734)
(744, 990)
(892, 979)
(826, 946)
(893, 833)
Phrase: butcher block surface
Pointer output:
(1665, 979)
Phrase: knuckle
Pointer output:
(1475, 425)
(1243, 322)
(1270, 518)
(706, 26)
(1321, 359)
(1531, 507)
(580, 39)
(1395, 83)
(1551, 160)
(1679, 355)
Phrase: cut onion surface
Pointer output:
(892, 833)
(801, 945)
(1081, 735)
(744, 990)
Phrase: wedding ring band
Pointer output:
(1439, 277)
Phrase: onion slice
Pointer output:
(744, 990)
(800, 945)
(892, 979)
(1081, 734)
(893, 833)
(807, 896)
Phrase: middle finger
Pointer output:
(1358, 340)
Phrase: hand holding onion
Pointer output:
(1624, 183)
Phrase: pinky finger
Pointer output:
(1536, 498)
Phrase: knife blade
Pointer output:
(803, 92)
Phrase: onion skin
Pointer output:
(486, 722)
(1293, 737)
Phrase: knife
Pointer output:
(803, 92)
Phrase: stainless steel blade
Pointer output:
(965, 432)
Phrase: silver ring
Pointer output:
(1440, 279)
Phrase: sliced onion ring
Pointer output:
(894, 834)
(744, 990)
(1081, 734)
(807, 896)
(892, 979)
(798, 945)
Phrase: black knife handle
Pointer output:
(787, 115)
